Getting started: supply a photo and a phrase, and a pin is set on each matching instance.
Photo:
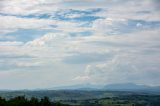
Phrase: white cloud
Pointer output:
(82, 78)
(12, 23)
(122, 69)
(25, 7)
(135, 55)
(137, 63)
(11, 43)
(107, 25)
(29, 64)
(136, 10)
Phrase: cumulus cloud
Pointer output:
(122, 69)
(129, 63)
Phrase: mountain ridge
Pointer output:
(110, 87)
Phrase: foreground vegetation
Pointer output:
(78, 98)
(22, 101)
(130, 100)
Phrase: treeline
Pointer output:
(22, 101)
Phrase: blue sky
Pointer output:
(48, 43)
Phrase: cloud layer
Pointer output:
(65, 42)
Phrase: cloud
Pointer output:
(26, 7)
(122, 69)
(11, 43)
(14, 56)
(98, 41)
(41, 6)
(129, 63)
(48, 40)
(136, 10)
(111, 26)
(81, 78)
(13, 23)
(84, 58)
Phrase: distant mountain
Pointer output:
(78, 87)
(131, 87)
(110, 87)
(125, 86)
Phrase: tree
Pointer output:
(18, 101)
(45, 101)
(2, 101)
(34, 102)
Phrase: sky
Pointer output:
(49, 43)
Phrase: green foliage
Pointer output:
(34, 102)
(2, 102)
(135, 99)
(22, 101)
(45, 101)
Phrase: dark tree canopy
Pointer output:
(22, 101)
